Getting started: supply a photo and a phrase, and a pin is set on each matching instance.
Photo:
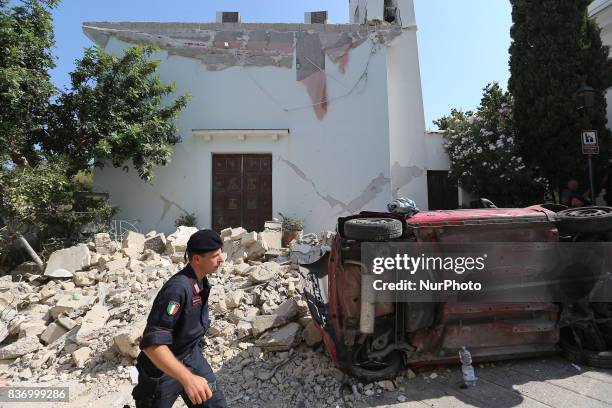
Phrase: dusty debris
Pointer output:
(87, 328)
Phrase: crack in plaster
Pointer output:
(403, 175)
(373, 189)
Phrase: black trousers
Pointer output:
(162, 392)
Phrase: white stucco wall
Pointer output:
(322, 170)
(602, 11)
(369, 148)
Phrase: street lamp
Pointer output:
(585, 97)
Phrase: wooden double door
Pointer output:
(241, 191)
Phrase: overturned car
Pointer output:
(375, 338)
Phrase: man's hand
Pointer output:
(197, 389)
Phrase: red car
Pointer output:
(404, 334)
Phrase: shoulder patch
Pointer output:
(172, 308)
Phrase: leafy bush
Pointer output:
(187, 219)
(484, 157)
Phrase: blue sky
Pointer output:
(463, 45)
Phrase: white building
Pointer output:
(310, 120)
(602, 11)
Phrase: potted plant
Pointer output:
(293, 228)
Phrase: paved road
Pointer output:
(538, 383)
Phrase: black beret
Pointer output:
(204, 241)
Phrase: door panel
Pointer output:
(442, 193)
(242, 191)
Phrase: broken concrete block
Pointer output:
(63, 263)
(104, 244)
(283, 315)
(242, 269)
(227, 232)
(311, 334)
(20, 348)
(264, 272)
(156, 243)
(93, 321)
(83, 279)
(66, 322)
(219, 307)
(178, 257)
(53, 332)
(81, 356)
(180, 237)
(233, 299)
(273, 226)
(237, 233)
(272, 239)
(31, 328)
(248, 238)
(127, 342)
(243, 329)
(69, 303)
(282, 339)
(116, 264)
(256, 250)
(133, 240)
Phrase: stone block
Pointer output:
(20, 348)
(81, 356)
(248, 238)
(53, 332)
(232, 300)
(104, 244)
(83, 279)
(180, 237)
(237, 233)
(127, 341)
(311, 334)
(281, 339)
(256, 250)
(93, 321)
(69, 303)
(63, 263)
(272, 239)
(31, 328)
(156, 243)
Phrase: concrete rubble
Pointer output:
(84, 327)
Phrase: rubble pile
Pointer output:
(81, 320)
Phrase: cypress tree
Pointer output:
(555, 49)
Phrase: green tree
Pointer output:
(26, 39)
(555, 48)
(117, 111)
(484, 156)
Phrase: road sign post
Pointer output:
(590, 146)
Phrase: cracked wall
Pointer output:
(222, 46)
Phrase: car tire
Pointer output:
(597, 359)
(394, 367)
(372, 229)
(585, 219)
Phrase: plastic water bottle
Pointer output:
(469, 376)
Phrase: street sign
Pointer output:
(590, 144)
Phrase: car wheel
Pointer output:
(389, 367)
(585, 219)
(373, 229)
(597, 359)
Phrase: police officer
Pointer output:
(171, 362)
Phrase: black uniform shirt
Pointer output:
(179, 315)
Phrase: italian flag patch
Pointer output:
(172, 308)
